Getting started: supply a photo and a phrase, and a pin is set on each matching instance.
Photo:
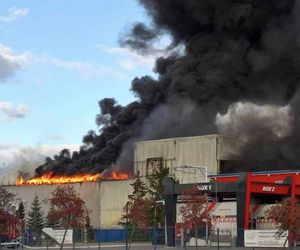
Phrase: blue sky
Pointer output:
(57, 60)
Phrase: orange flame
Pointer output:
(51, 178)
(117, 176)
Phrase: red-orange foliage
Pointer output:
(287, 217)
(7, 217)
(138, 212)
(68, 207)
(6, 221)
(195, 212)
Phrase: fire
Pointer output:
(117, 176)
(51, 178)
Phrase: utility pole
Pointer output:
(126, 231)
(155, 220)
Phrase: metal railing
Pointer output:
(134, 238)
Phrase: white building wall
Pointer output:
(186, 156)
(104, 199)
(88, 191)
(113, 197)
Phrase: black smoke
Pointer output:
(234, 51)
(140, 38)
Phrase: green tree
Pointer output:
(35, 215)
(21, 215)
(153, 212)
(155, 190)
(139, 189)
(51, 221)
(139, 192)
(6, 199)
(21, 211)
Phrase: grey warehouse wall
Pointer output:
(105, 199)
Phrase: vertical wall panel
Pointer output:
(184, 154)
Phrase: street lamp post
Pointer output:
(155, 222)
(216, 193)
(25, 219)
(126, 207)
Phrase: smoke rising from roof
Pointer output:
(244, 51)
(17, 160)
(268, 123)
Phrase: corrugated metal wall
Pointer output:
(104, 199)
(228, 148)
(202, 151)
(197, 151)
(113, 197)
(152, 149)
(89, 192)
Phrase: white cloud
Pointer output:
(10, 62)
(15, 159)
(84, 69)
(87, 70)
(14, 14)
(7, 146)
(11, 112)
(55, 138)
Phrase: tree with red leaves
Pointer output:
(6, 219)
(146, 196)
(195, 212)
(136, 199)
(286, 216)
(7, 216)
(136, 211)
(68, 208)
(139, 212)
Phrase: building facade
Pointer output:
(104, 199)
(189, 159)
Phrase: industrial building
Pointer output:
(200, 160)
(104, 199)
(189, 159)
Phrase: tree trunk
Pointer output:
(131, 235)
(63, 240)
(66, 229)
(196, 235)
(286, 240)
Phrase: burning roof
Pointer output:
(52, 178)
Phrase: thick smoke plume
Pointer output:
(236, 51)
(19, 161)
(268, 123)
(23, 165)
